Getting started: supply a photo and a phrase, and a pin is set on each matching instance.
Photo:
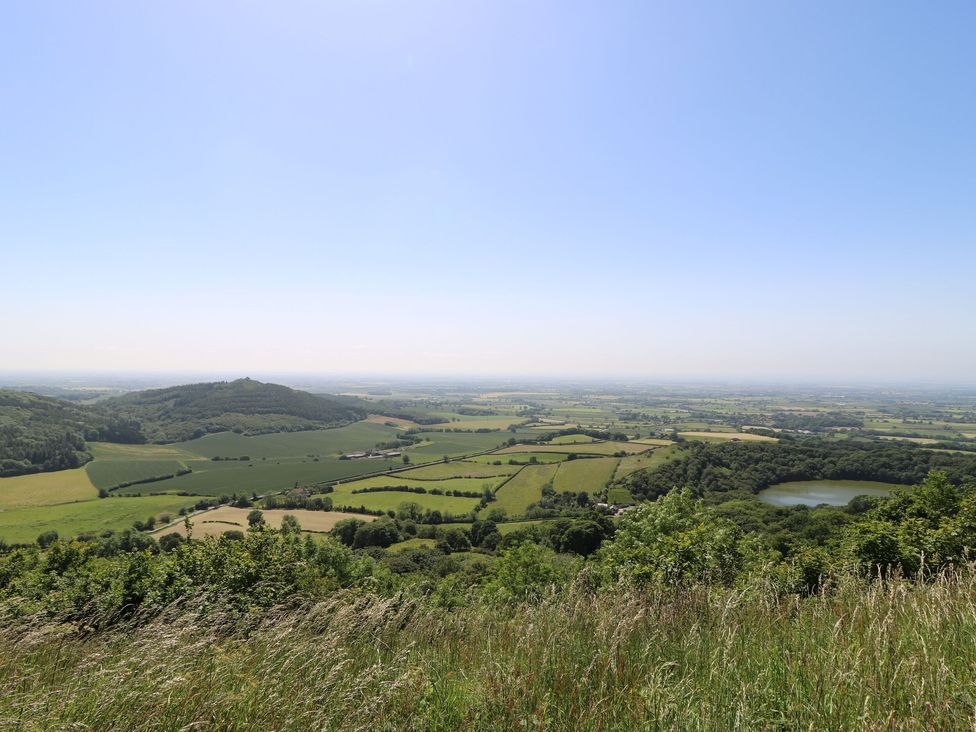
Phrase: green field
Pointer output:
(571, 440)
(457, 443)
(109, 473)
(593, 448)
(524, 488)
(458, 469)
(521, 458)
(46, 489)
(413, 544)
(342, 497)
(23, 525)
(619, 496)
(400, 479)
(589, 474)
(633, 463)
(322, 443)
(260, 476)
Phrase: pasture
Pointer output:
(46, 489)
(23, 525)
(646, 460)
(524, 488)
(401, 479)
(586, 474)
(520, 458)
(571, 439)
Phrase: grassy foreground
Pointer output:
(895, 655)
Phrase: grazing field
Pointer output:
(586, 474)
(633, 463)
(619, 496)
(524, 488)
(592, 448)
(725, 436)
(571, 439)
(916, 440)
(109, 473)
(46, 489)
(23, 525)
(227, 518)
(458, 469)
(403, 424)
(342, 497)
(653, 441)
(491, 422)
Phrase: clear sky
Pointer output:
(686, 189)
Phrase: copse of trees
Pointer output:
(710, 469)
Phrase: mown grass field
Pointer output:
(46, 489)
(619, 496)
(227, 518)
(524, 488)
(571, 439)
(585, 474)
(23, 525)
(391, 500)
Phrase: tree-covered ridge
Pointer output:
(741, 467)
(246, 406)
(39, 433)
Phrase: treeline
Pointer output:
(744, 467)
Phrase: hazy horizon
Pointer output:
(761, 192)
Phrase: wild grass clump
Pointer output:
(898, 654)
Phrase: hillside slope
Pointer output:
(41, 433)
(245, 406)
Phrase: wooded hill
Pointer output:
(40, 433)
(245, 406)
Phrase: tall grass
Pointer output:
(895, 655)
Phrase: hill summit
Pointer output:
(245, 406)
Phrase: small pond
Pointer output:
(815, 492)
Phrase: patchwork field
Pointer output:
(520, 458)
(459, 469)
(592, 448)
(46, 489)
(23, 525)
(524, 488)
(586, 474)
(227, 518)
(260, 476)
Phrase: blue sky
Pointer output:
(729, 189)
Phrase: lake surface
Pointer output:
(815, 492)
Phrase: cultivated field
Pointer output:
(724, 436)
(46, 489)
(458, 469)
(592, 448)
(228, 518)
